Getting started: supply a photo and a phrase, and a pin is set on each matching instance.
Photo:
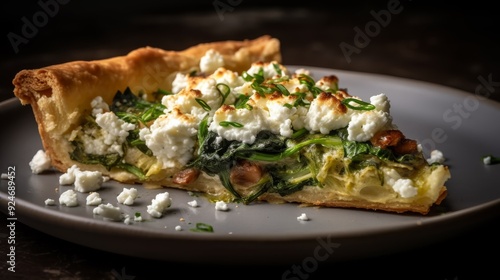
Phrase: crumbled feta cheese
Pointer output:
(127, 196)
(4, 176)
(138, 217)
(251, 121)
(268, 69)
(171, 138)
(405, 188)
(303, 217)
(325, 114)
(211, 61)
(193, 203)
(280, 118)
(108, 211)
(68, 178)
(88, 181)
(381, 102)
(50, 202)
(487, 160)
(93, 199)
(127, 220)
(159, 204)
(180, 82)
(68, 198)
(391, 176)
(363, 126)
(40, 162)
(99, 106)
(436, 156)
(187, 100)
(114, 132)
(221, 206)
(178, 228)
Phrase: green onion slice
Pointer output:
(360, 105)
(224, 91)
(228, 123)
(202, 227)
(203, 104)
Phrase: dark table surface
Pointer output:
(451, 45)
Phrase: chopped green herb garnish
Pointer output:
(203, 104)
(202, 227)
(228, 123)
(224, 91)
(361, 105)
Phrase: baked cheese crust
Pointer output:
(227, 119)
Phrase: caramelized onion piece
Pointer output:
(186, 176)
(387, 138)
(406, 146)
(245, 173)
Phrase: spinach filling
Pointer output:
(130, 108)
(289, 163)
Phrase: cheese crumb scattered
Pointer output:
(108, 211)
(178, 228)
(127, 196)
(85, 181)
(221, 206)
(193, 203)
(94, 199)
(40, 162)
(50, 202)
(68, 198)
(303, 217)
(405, 188)
(436, 157)
(159, 204)
(487, 160)
(68, 178)
(88, 181)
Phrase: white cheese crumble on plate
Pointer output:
(108, 211)
(303, 217)
(159, 204)
(193, 203)
(221, 206)
(94, 199)
(84, 181)
(127, 196)
(40, 162)
(50, 202)
(68, 198)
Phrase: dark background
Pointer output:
(447, 44)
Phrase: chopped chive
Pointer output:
(228, 123)
(224, 91)
(203, 104)
(202, 227)
(282, 89)
(361, 105)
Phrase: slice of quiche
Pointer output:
(229, 120)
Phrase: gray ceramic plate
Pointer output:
(463, 126)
